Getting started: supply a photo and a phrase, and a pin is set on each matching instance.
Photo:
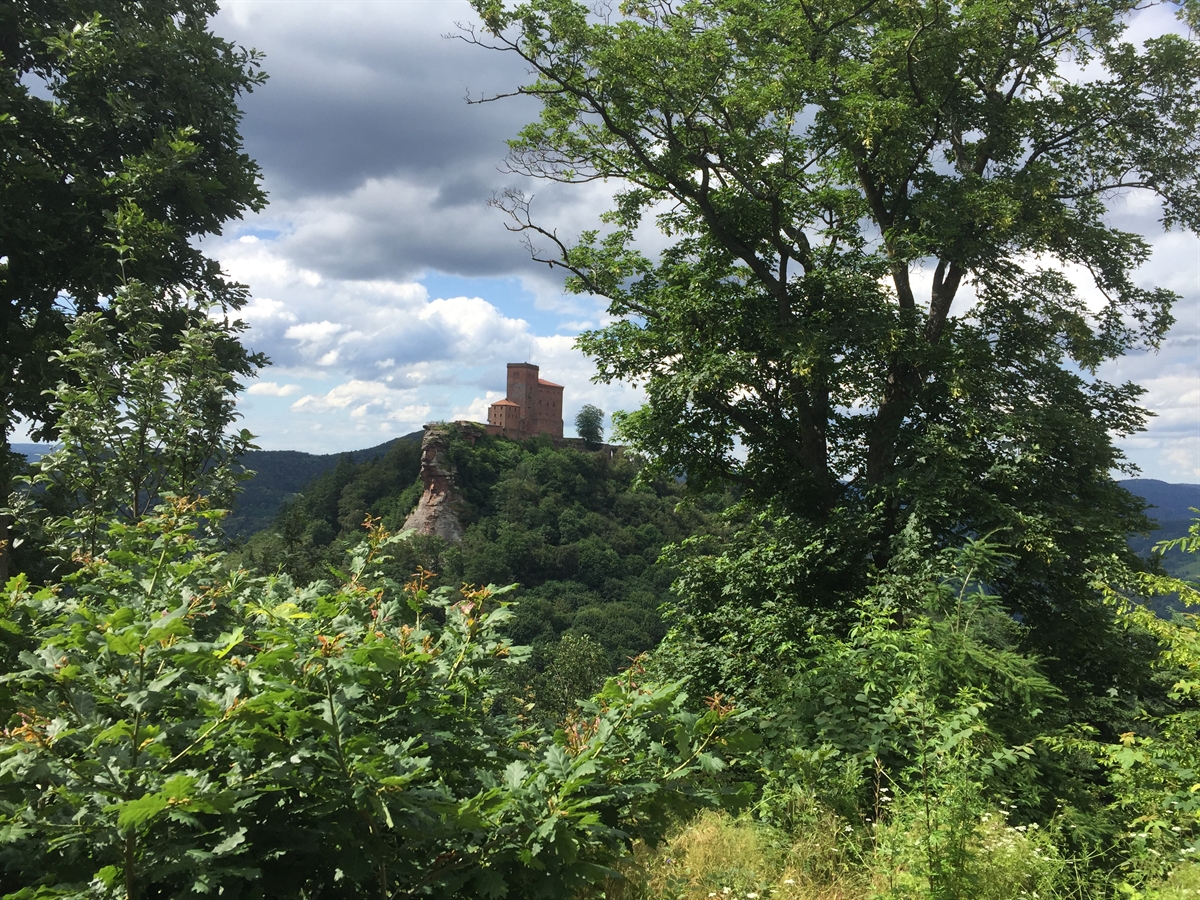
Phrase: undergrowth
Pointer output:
(720, 857)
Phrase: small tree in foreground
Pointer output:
(144, 411)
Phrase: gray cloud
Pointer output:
(376, 164)
(399, 227)
(379, 171)
(369, 90)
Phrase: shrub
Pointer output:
(182, 730)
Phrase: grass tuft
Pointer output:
(716, 857)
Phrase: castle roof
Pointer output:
(543, 381)
(505, 402)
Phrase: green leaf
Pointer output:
(234, 840)
(126, 644)
(134, 813)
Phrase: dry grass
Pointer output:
(716, 857)
(1184, 884)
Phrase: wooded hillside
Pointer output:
(887, 642)
(576, 530)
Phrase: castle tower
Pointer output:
(533, 405)
(523, 391)
(549, 408)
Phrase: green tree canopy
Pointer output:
(118, 128)
(861, 314)
(119, 146)
(589, 424)
(580, 533)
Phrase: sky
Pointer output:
(388, 294)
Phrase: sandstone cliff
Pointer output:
(436, 512)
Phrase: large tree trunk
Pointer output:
(5, 521)
(5, 549)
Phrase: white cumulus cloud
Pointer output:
(314, 332)
(272, 389)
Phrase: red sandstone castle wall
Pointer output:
(523, 390)
(533, 406)
(549, 408)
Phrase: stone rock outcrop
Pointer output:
(437, 510)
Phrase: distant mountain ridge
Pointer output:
(278, 476)
(281, 474)
(32, 452)
(1169, 502)
(1171, 508)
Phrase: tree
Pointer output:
(589, 424)
(119, 146)
(141, 414)
(863, 314)
(578, 667)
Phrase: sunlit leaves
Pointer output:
(810, 169)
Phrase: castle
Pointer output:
(533, 406)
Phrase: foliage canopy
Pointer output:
(927, 596)
(119, 147)
(589, 424)
(576, 530)
(184, 730)
(119, 128)
(889, 274)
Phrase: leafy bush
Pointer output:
(921, 720)
(183, 730)
(144, 409)
(1154, 767)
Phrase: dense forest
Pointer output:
(853, 615)
(578, 533)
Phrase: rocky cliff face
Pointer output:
(436, 513)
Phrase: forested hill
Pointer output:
(574, 528)
(31, 452)
(280, 474)
(1172, 507)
